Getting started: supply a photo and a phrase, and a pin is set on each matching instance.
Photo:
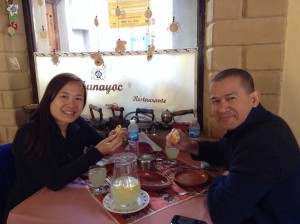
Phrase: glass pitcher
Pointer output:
(125, 184)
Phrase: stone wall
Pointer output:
(290, 94)
(248, 34)
(15, 85)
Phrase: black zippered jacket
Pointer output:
(65, 161)
(263, 184)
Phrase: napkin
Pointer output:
(144, 138)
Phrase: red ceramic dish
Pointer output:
(152, 181)
(191, 178)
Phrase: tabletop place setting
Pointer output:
(146, 186)
(126, 181)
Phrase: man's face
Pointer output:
(231, 104)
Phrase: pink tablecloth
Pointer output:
(75, 204)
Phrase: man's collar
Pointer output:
(256, 115)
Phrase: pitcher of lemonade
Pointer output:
(125, 185)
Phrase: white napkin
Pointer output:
(144, 138)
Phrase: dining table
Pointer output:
(76, 203)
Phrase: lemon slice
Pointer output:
(175, 137)
(118, 129)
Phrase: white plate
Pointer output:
(142, 201)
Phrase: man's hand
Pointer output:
(184, 143)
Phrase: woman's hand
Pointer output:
(123, 133)
(110, 144)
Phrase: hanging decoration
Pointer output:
(150, 52)
(151, 48)
(118, 11)
(40, 2)
(14, 62)
(13, 25)
(55, 58)
(174, 27)
(120, 44)
(96, 56)
(12, 28)
(43, 33)
(98, 60)
(120, 47)
(96, 22)
(148, 13)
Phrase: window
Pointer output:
(70, 25)
(69, 34)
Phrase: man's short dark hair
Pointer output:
(246, 79)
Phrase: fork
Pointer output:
(182, 193)
(185, 193)
(82, 182)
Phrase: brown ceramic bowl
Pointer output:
(191, 178)
(152, 181)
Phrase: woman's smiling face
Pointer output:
(231, 104)
(68, 104)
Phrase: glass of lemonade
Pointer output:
(125, 186)
(97, 176)
(125, 190)
(172, 154)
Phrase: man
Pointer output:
(259, 150)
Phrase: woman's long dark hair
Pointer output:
(36, 141)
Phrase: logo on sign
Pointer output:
(98, 74)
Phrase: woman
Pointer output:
(49, 147)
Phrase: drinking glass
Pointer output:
(172, 154)
(97, 176)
